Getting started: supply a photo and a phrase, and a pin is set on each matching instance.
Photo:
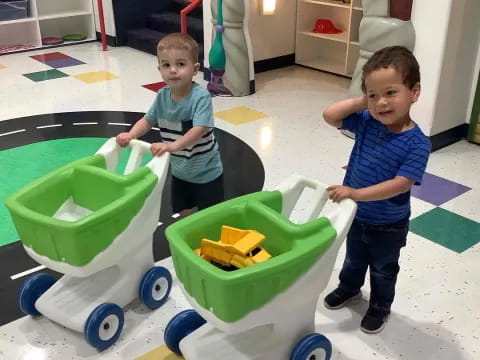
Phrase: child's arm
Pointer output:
(190, 138)
(140, 128)
(335, 113)
(381, 191)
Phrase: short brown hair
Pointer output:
(179, 41)
(398, 57)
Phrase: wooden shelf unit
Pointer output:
(336, 53)
(48, 18)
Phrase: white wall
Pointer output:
(430, 43)
(447, 45)
(108, 16)
(273, 35)
(458, 66)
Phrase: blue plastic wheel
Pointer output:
(155, 287)
(181, 326)
(104, 325)
(312, 347)
(31, 290)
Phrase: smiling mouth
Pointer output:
(382, 113)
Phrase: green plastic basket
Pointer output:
(232, 295)
(113, 199)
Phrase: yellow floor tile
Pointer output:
(240, 115)
(2, 66)
(160, 353)
(96, 76)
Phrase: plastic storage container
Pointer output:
(13, 10)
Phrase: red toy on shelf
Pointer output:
(325, 26)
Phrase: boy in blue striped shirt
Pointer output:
(183, 112)
(389, 156)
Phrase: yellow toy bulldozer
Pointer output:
(237, 247)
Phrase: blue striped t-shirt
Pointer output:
(200, 162)
(379, 155)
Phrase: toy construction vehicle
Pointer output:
(237, 248)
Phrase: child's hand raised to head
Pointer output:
(339, 192)
(123, 139)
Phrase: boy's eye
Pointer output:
(165, 65)
(180, 64)
(371, 96)
(391, 92)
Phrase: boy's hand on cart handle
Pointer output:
(160, 148)
(338, 193)
(123, 139)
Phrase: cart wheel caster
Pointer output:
(155, 287)
(32, 289)
(181, 326)
(312, 347)
(104, 325)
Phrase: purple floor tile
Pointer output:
(61, 63)
(437, 190)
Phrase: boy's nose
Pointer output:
(382, 101)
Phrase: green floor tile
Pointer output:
(45, 75)
(446, 228)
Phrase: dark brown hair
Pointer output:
(179, 41)
(397, 57)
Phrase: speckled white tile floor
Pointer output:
(436, 314)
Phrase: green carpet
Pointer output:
(21, 165)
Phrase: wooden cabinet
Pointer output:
(336, 53)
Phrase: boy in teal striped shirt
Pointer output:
(183, 112)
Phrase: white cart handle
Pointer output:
(111, 151)
(291, 189)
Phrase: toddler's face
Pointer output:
(177, 68)
(389, 99)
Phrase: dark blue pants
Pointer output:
(377, 247)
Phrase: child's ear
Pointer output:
(196, 68)
(416, 91)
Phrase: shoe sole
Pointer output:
(354, 297)
(376, 331)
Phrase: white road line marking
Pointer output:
(86, 123)
(13, 132)
(48, 126)
(120, 124)
(27, 272)
(175, 215)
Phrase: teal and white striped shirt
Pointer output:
(200, 162)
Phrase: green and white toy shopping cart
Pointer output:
(265, 311)
(96, 227)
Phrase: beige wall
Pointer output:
(273, 35)
(458, 70)
(447, 46)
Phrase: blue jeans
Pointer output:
(377, 247)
